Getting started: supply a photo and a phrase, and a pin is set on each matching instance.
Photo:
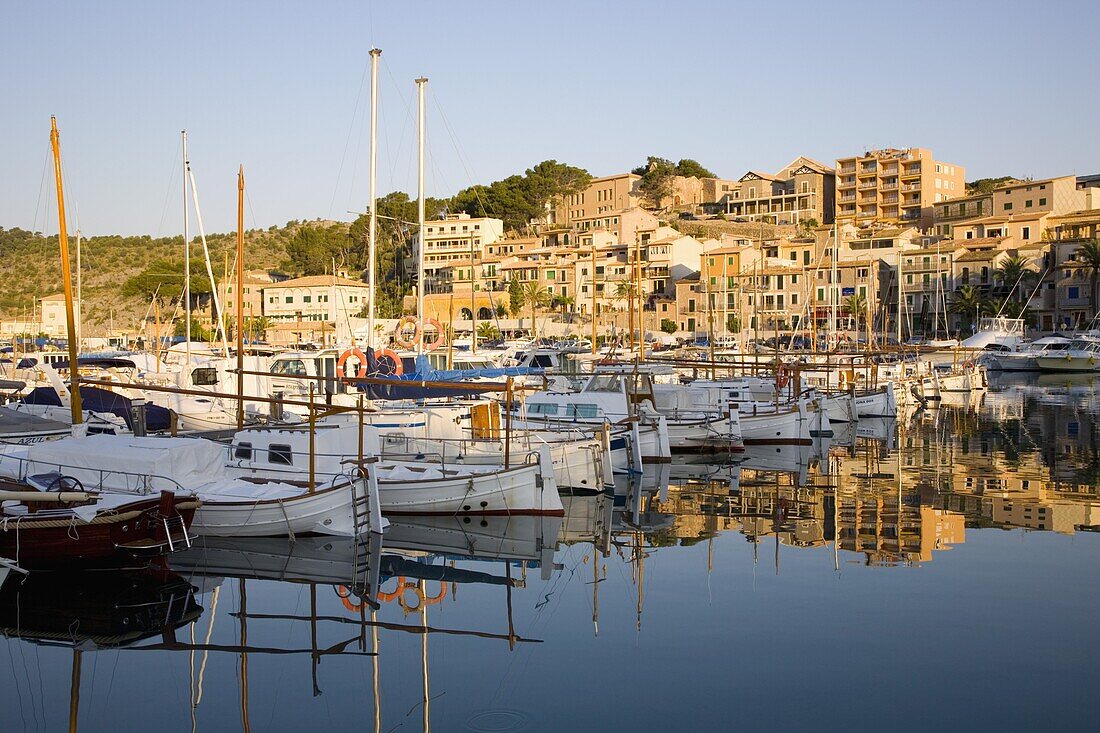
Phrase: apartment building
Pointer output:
(803, 190)
(455, 239)
(314, 298)
(895, 186)
(622, 224)
(946, 214)
(601, 197)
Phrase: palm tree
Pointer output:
(1014, 271)
(564, 302)
(857, 308)
(968, 303)
(487, 331)
(1088, 254)
(535, 296)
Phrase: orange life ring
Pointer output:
(782, 376)
(440, 335)
(410, 342)
(358, 354)
(390, 354)
(968, 365)
(345, 597)
(423, 598)
(396, 591)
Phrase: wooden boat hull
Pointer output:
(128, 537)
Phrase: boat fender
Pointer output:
(358, 354)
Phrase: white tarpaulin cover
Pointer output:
(128, 463)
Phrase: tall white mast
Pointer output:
(186, 260)
(206, 258)
(420, 205)
(835, 337)
(372, 251)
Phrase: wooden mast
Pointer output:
(641, 296)
(240, 297)
(67, 278)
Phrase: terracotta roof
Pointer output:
(979, 255)
(314, 281)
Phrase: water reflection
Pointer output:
(492, 623)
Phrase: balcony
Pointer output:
(889, 185)
(911, 187)
(914, 171)
(845, 184)
(847, 169)
(867, 184)
(868, 171)
(890, 200)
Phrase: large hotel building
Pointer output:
(895, 186)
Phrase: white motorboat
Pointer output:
(616, 394)
(231, 506)
(997, 330)
(1082, 355)
(527, 486)
(1025, 357)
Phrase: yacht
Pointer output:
(1082, 355)
(1025, 357)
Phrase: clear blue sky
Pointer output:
(1001, 88)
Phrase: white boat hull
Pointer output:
(325, 511)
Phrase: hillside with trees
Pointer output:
(121, 275)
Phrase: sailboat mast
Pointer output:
(420, 207)
(79, 309)
(372, 252)
(835, 297)
(186, 261)
(66, 275)
(240, 298)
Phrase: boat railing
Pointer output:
(143, 483)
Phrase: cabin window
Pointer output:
(292, 367)
(605, 383)
(542, 408)
(280, 454)
(243, 451)
(204, 377)
(584, 410)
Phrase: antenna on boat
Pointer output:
(66, 274)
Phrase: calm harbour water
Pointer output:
(798, 589)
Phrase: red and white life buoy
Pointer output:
(439, 334)
(782, 376)
(358, 354)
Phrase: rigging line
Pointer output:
(41, 192)
(169, 192)
(458, 151)
(347, 140)
(405, 101)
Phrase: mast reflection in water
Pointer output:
(939, 571)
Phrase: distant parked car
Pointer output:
(688, 215)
